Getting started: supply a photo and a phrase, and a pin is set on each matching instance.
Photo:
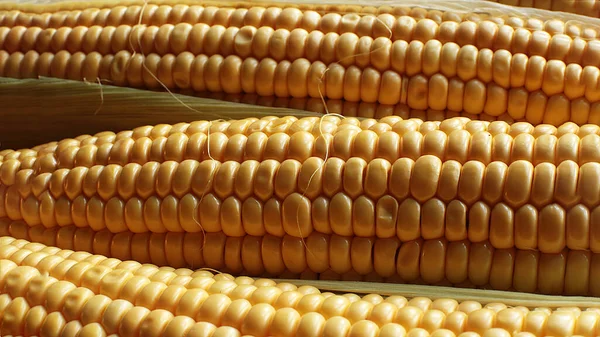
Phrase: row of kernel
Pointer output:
(376, 22)
(399, 122)
(423, 178)
(347, 48)
(65, 153)
(458, 145)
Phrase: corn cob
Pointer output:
(283, 44)
(539, 78)
(512, 205)
(241, 299)
(280, 43)
(121, 316)
(40, 186)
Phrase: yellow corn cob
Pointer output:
(353, 200)
(479, 68)
(281, 44)
(222, 300)
(291, 43)
(45, 195)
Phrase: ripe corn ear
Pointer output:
(33, 301)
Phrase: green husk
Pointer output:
(37, 111)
